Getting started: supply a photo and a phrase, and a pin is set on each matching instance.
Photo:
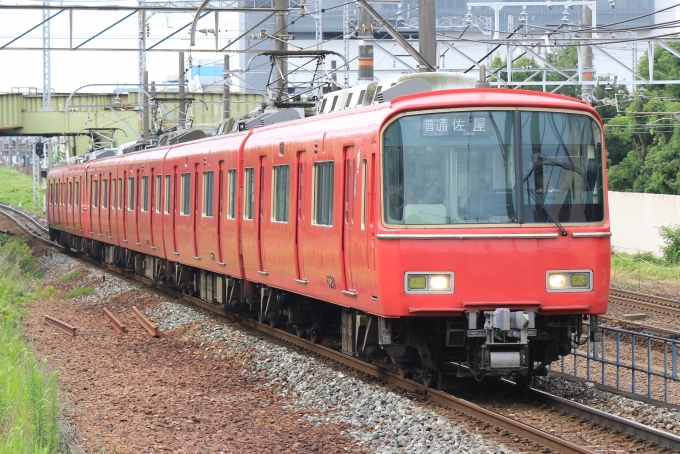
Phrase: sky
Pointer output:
(73, 69)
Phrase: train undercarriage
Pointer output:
(479, 343)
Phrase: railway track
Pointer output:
(649, 302)
(460, 405)
(33, 228)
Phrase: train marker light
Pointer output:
(417, 282)
(569, 281)
(579, 280)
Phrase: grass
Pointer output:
(70, 276)
(80, 291)
(17, 189)
(645, 273)
(29, 406)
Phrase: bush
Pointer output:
(671, 236)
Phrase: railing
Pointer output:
(624, 351)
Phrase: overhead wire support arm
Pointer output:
(400, 39)
(105, 30)
(29, 31)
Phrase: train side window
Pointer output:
(185, 195)
(159, 188)
(208, 195)
(77, 193)
(231, 201)
(248, 193)
(95, 193)
(105, 193)
(280, 190)
(168, 200)
(361, 97)
(145, 193)
(349, 100)
(363, 194)
(114, 194)
(335, 101)
(120, 193)
(323, 104)
(70, 193)
(323, 193)
(131, 193)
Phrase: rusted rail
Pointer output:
(145, 322)
(117, 325)
(62, 326)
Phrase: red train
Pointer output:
(455, 230)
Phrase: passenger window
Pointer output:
(323, 193)
(280, 193)
(168, 182)
(145, 193)
(159, 188)
(70, 193)
(78, 193)
(361, 97)
(131, 193)
(105, 193)
(95, 193)
(185, 195)
(335, 101)
(208, 185)
(120, 193)
(231, 201)
(248, 193)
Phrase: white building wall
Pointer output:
(636, 218)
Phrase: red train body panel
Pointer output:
(211, 205)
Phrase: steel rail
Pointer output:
(28, 231)
(60, 325)
(649, 302)
(21, 213)
(661, 332)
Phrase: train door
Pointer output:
(152, 206)
(175, 210)
(299, 215)
(220, 212)
(137, 195)
(196, 212)
(261, 215)
(348, 214)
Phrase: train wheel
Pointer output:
(272, 323)
(405, 372)
(299, 332)
(429, 378)
(314, 335)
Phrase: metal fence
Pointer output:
(626, 359)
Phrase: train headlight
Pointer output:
(556, 281)
(439, 282)
(428, 282)
(569, 281)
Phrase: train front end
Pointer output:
(494, 242)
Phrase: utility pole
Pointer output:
(587, 56)
(334, 75)
(365, 47)
(145, 105)
(281, 32)
(47, 88)
(36, 171)
(180, 81)
(227, 93)
(427, 31)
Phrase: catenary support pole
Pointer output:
(227, 94)
(427, 30)
(365, 48)
(587, 56)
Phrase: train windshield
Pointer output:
(492, 167)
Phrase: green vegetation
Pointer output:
(643, 143)
(80, 291)
(17, 189)
(70, 276)
(29, 407)
(648, 273)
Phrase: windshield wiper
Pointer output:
(547, 212)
